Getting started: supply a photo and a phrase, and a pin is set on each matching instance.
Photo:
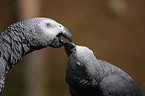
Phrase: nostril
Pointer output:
(60, 26)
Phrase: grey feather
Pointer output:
(26, 36)
(93, 77)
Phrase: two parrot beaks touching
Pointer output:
(85, 75)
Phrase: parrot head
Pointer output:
(45, 32)
(81, 62)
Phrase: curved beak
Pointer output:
(66, 34)
(58, 41)
(69, 48)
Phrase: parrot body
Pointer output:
(88, 76)
(27, 36)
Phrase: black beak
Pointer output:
(58, 41)
(66, 34)
(69, 48)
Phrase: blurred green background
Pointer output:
(113, 29)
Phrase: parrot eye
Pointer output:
(78, 64)
(48, 25)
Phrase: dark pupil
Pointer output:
(48, 25)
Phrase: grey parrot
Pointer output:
(88, 76)
(26, 36)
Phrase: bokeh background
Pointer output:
(113, 29)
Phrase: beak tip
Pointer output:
(69, 48)
(70, 39)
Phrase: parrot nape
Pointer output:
(88, 76)
(26, 36)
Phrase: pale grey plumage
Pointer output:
(88, 76)
(26, 36)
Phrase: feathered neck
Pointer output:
(14, 44)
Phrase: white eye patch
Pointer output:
(50, 27)
(45, 24)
